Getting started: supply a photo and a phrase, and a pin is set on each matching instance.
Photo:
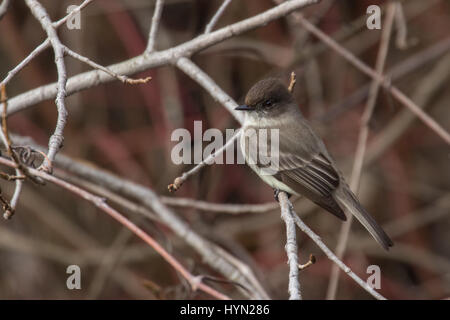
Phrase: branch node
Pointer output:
(311, 261)
(292, 82)
(177, 183)
(8, 214)
(195, 282)
(138, 81)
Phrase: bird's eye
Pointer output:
(268, 102)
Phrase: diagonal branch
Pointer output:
(155, 59)
(311, 234)
(384, 82)
(44, 45)
(197, 74)
(362, 143)
(56, 140)
(217, 16)
(75, 11)
(154, 26)
(194, 281)
(335, 259)
(211, 254)
(9, 208)
(123, 79)
(4, 7)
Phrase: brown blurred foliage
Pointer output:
(126, 129)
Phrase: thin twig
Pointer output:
(157, 58)
(145, 61)
(4, 135)
(91, 63)
(56, 140)
(100, 203)
(4, 7)
(75, 11)
(6, 206)
(400, 70)
(109, 261)
(213, 255)
(331, 255)
(9, 208)
(429, 85)
(311, 261)
(291, 247)
(385, 83)
(402, 27)
(292, 82)
(192, 70)
(44, 45)
(154, 26)
(362, 143)
(197, 74)
(219, 207)
(178, 182)
(40, 48)
(217, 16)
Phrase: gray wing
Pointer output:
(303, 164)
(314, 177)
(306, 167)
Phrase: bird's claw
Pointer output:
(276, 192)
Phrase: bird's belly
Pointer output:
(271, 180)
(262, 172)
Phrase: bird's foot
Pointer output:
(276, 192)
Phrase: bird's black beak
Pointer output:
(243, 107)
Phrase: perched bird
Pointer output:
(304, 166)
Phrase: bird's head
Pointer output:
(268, 96)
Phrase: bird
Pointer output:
(303, 164)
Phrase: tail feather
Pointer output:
(347, 200)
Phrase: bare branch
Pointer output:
(197, 74)
(154, 26)
(61, 21)
(291, 247)
(91, 63)
(44, 45)
(311, 261)
(402, 69)
(100, 203)
(9, 208)
(333, 257)
(402, 27)
(219, 207)
(57, 138)
(384, 82)
(362, 143)
(217, 16)
(431, 83)
(151, 60)
(211, 254)
(284, 201)
(178, 182)
(4, 7)
(192, 70)
(292, 82)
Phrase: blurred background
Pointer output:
(126, 130)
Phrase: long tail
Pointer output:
(347, 200)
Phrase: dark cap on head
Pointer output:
(265, 94)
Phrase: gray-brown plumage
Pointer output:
(304, 165)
